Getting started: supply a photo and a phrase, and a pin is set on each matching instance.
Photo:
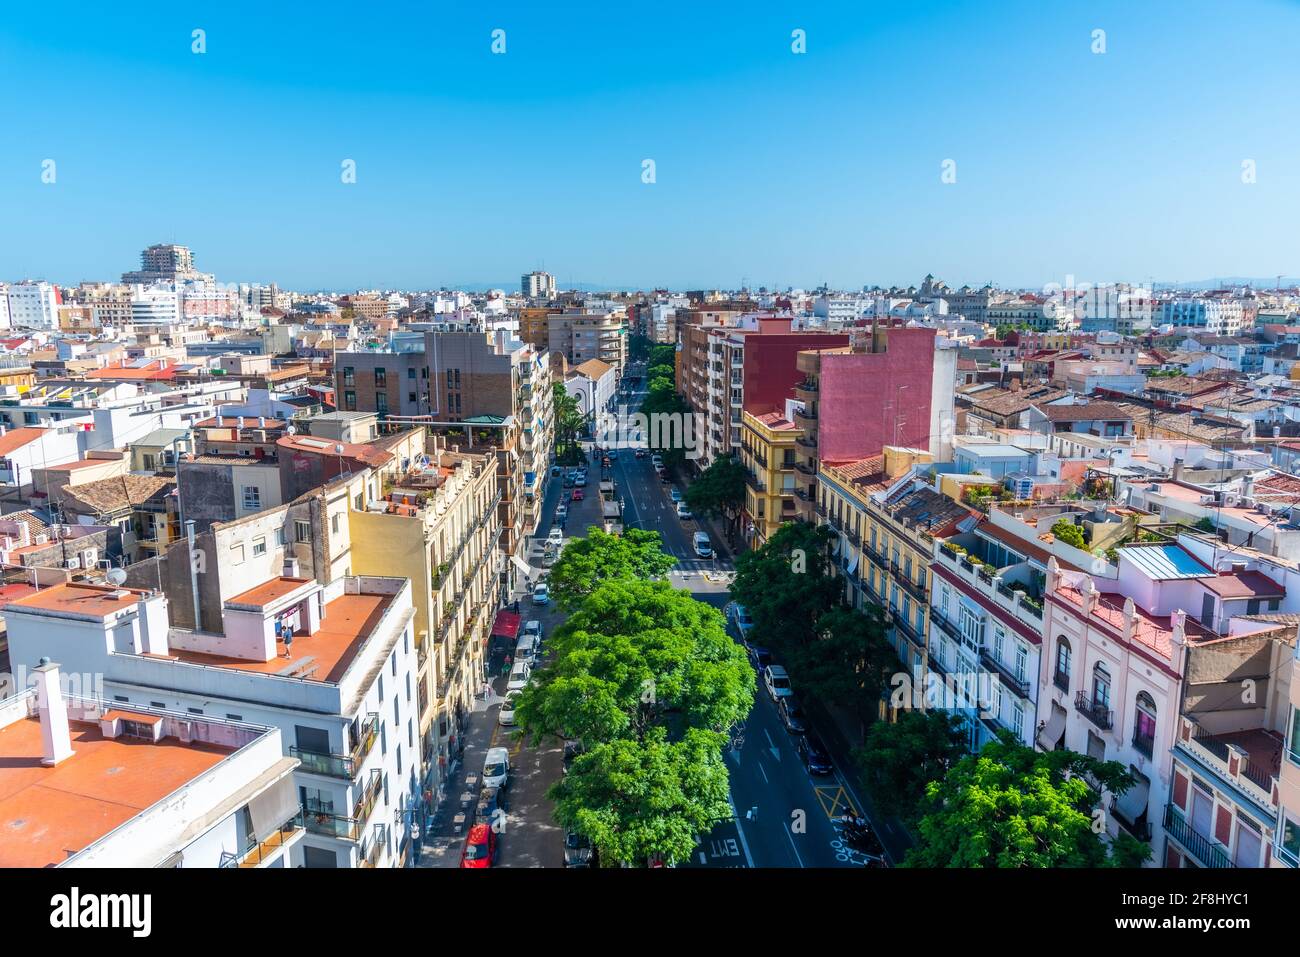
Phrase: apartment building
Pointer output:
(165, 262)
(537, 285)
(439, 525)
(579, 336)
(894, 389)
(1286, 839)
(767, 453)
(391, 382)
(1218, 317)
(333, 666)
(90, 783)
(34, 305)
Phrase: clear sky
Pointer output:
(771, 166)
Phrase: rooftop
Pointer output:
(324, 656)
(80, 600)
(49, 813)
(269, 592)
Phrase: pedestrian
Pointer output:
(516, 606)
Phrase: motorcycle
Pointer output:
(858, 835)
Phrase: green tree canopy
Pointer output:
(585, 563)
(635, 800)
(720, 489)
(1012, 806)
(638, 655)
(848, 662)
(899, 760)
(569, 423)
(786, 585)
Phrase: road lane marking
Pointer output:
(740, 830)
(786, 827)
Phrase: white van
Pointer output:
(526, 650)
(703, 547)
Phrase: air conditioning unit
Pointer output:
(73, 563)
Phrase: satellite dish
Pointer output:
(116, 576)
(292, 430)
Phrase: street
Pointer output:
(782, 817)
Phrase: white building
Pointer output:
(1219, 317)
(153, 306)
(33, 305)
(332, 666)
(90, 783)
(537, 285)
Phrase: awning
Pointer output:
(853, 564)
(1132, 804)
(506, 624)
(1051, 732)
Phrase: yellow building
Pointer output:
(534, 326)
(887, 533)
(438, 526)
(767, 451)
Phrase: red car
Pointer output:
(480, 847)
(577, 495)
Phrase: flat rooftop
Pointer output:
(269, 592)
(75, 598)
(48, 814)
(324, 656)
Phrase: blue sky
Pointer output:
(772, 167)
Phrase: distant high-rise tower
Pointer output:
(537, 285)
(165, 263)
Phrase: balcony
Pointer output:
(1208, 851)
(852, 536)
(807, 385)
(332, 825)
(1249, 759)
(375, 847)
(807, 442)
(1061, 680)
(1018, 685)
(1094, 711)
(257, 854)
(904, 580)
(755, 483)
(343, 766)
(807, 414)
(819, 509)
(369, 797)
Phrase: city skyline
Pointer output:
(779, 167)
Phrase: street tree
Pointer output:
(848, 662)
(636, 656)
(899, 759)
(569, 423)
(641, 799)
(787, 587)
(585, 563)
(1012, 806)
(719, 491)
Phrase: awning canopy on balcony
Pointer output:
(1051, 732)
(506, 624)
(1132, 804)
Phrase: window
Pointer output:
(999, 636)
(349, 401)
(334, 523)
(1022, 661)
(280, 537)
(1062, 677)
(237, 553)
(410, 373)
(1100, 686)
(302, 532)
(381, 377)
(381, 403)
(252, 497)
(259, 546)
(1018, 721)
(234, 717)
(972, 628)
(349, 375)
(1144, 724)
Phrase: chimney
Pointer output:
(240, 423)
(261, 422)
(1248, 487)
(291, 568)
(1177, 472)
(55, 734)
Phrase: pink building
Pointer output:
(1128, 675)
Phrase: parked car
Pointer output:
(792, 715)
(568, 480)
(533, 629)
(663, 475)
(496, 768)
(577, 850)
(657, 460)
(520, 672)
(556, 535)
(814, 754)
(760, 657)
(541, 594)
(640, 453)
(561, 512)
(777, 682)
(526, 650)
(506, 715)
(740, 617)
(703, 546)
(676, 494)
(480, 847)
(581, 480)
(684, 512)
(577, 495)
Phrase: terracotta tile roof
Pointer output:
(1085, 411)
(17, 438)
(113, 494)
